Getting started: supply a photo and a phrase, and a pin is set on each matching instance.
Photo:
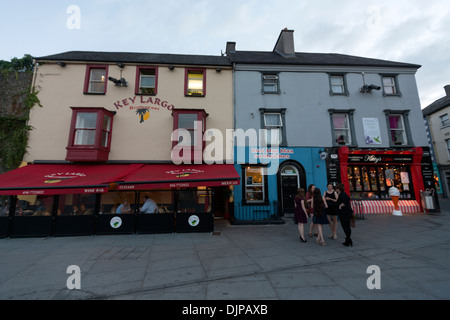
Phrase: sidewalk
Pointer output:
(238, 262)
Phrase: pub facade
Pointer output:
(118, 146)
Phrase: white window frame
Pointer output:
(403, 130)
(261, 184)
(348, 129)
(270, 81)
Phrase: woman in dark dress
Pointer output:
(300, 212)
(331, 197)
(345, 213)
(320, 216)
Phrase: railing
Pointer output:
(256, 213)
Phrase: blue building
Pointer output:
(332, 111)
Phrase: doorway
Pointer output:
(291, 177)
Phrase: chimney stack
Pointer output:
(231, 47)
(447, 90)
(285, 44)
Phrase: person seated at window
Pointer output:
(124, 208)
(149, 206)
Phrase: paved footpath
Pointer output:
(242, 262)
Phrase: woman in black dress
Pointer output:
(345, 213)
(331, 197)
(319, 206)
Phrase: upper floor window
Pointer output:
(338, 84)
(90, 134)
(96, 79)
(399, 129)
(390, 85)
(195, 82)
(189, 142)
(342, 127)
(270, 83)
(146, 81)
(273, 120)
(444, 120)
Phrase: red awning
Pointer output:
(154, 176)
(51, 179)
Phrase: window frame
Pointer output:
(138, 80)
(186, 82)
(201, 116)
(395, 85)
(96, 151)
(443, 122)
(406, 127)
(282, 113)
(350, 114)
(344, 84)
(264, 184)
(87, 80)
(276, 76)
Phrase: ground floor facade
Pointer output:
(72, 200)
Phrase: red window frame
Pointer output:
(138, 80)
(186, 82)
(95, 152)
(87, 78)
(197, 148)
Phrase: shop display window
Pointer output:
(254, 185)
(374, 182)
(36, 206)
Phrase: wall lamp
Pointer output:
(120, 65)
(368, 88)
(171, 67)
(219, 69)
(61, 64)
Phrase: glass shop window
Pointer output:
(374, 182)
(76, 204)
(156, 201)
(117, 203)
(35, 206)
(254, 185)
(197, 200)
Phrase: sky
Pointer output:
(412, 31)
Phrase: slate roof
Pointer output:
(437, 106)
(134, 57)
(302, 58)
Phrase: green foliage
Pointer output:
(13, 141)
(14, 130)
(24, 64)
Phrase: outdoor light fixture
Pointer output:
(219, 69)
(171, 67)
(61, 64)
(120, 65)
(119, 83)
(368, 88)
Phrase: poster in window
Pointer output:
(372, 133)
(404, 177)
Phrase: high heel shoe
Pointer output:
(348, 244)
(302, 240)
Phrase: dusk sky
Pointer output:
(414, 31)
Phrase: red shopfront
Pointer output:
(368, 175)
(42, 200)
